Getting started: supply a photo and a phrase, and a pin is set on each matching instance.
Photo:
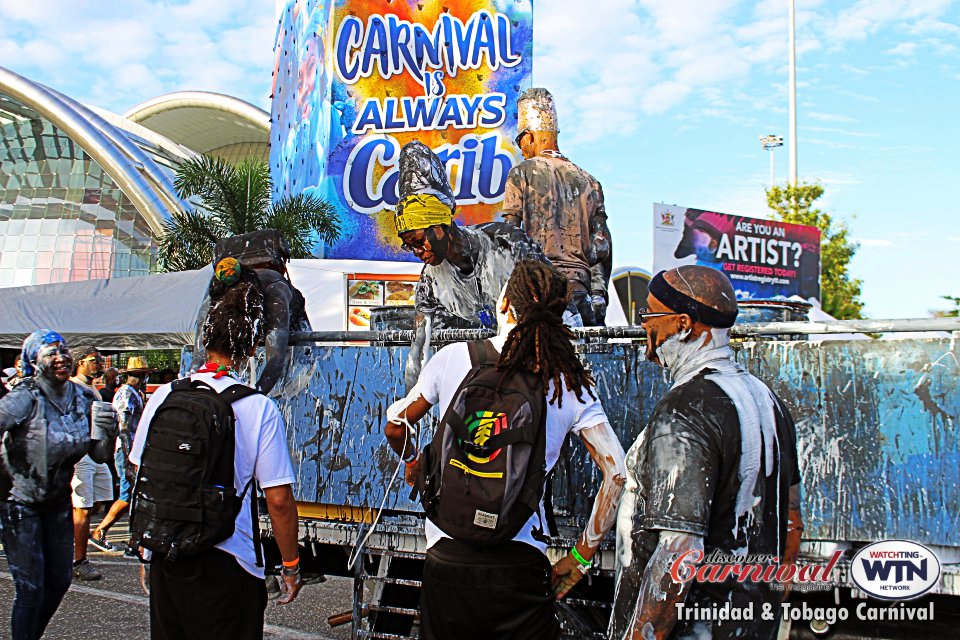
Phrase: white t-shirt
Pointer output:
(261, 450)
(440, 379)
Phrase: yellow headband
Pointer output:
(420, 212)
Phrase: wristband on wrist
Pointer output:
(412, 458)
(291, 571)
(583, 562)
(293, 563)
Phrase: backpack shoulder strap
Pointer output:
(237, 392)
(482, 353)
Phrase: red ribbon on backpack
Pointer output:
(218, 370)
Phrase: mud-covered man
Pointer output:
(560, 206)
(259, 257)
(714, 471)
(465, 267)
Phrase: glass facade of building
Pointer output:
(62, 217)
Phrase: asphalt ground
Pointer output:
(116, 607)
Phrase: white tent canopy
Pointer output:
(159, 311)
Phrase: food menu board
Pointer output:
(399, 293)
(365, 291)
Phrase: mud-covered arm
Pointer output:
(15, 408)
(655, 613)
(103, 432)
(276, 306)
(601, 264)
(411, 369)
(199, 352)
(513, 197)
(607, 453)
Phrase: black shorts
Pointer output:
(205, 597)
(501, 592)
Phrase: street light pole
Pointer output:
(793, 95)
(769, 143)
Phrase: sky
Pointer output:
(661, 100)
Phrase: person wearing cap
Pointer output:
(714, 471)
(465, 267)
(47, 424)
(92, 481)
(560, 206)
(5, 378)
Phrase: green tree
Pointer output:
(231, 200)
(949, 313)
(839, 293)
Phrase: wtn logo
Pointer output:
(895, 569)
(902, 569)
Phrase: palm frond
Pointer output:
(302, 219)
(188, 240)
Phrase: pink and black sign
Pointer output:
(763, 258)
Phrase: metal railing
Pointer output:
(636, 332)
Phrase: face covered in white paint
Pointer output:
(54, 361)
(673, 327)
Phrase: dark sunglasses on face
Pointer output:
(415, 244)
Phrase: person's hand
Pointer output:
(599, 304)
(564, 576)
(290, 586)
(412, 470)
(103, 421)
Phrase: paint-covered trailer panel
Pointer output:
(876, 423)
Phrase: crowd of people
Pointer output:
(715, 470)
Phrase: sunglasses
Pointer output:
(644, 314)
(416, 244)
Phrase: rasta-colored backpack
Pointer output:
(184, 501)
(482, 476)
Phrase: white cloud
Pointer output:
(903, 49)
(828, 117)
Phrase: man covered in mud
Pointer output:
(714, 471)
(560, 206)
(260, 258)
(465, 267)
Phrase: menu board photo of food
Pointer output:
(399, 293)
(365, 292)
(358, 319)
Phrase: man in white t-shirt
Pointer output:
(460, 577)
(220, 593)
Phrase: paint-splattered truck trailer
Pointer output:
(879, 449)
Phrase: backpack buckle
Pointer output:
(478, 450)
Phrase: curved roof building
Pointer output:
(84, 193)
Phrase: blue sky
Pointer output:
(663, 101)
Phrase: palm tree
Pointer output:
(232, 200)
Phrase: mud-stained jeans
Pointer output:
(39, 547)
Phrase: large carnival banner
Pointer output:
(762, 258)
(355, 80)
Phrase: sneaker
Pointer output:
(100, 542)
(129, 551)
(83, 570)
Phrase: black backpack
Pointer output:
(184, 501)
(483, 474)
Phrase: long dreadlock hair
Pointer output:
(541, 343)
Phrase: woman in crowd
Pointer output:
(47, 425)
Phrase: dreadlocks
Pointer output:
(540, 343)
